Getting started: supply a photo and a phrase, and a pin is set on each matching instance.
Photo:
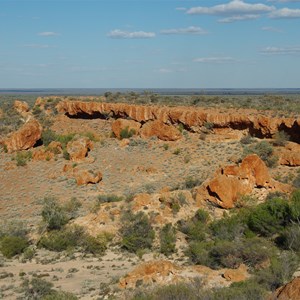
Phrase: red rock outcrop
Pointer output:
(79, 148)
(236, 275)
(190, 117)
(25, 138)
(42, 154)
(121, 124)
(290, 291)
(150, 272)
(290, 155)
(232, 182)
(21, 107)
(160, 130)
(84, 177)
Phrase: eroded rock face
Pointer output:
(25, 138)
(160, 130)
(79, 148)
(190, 117)
(232, 182)
(21, 107)
(84, 177)
(290, 291)
(290, 155)
(121, 124)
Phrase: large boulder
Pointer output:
(21, 107)
(161, 130)
(25, 138)
(232, 182)
(84, 177)
(120, 125)
(290, 291)
(290, 155)
(79, 149)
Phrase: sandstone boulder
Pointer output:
(290, 155)
(236, 275)
(232, 182)
(42, 154)
(55, 147)
(84, 177)
(290, 291)
(120, 125)
(79, 148)
(25, 138)
(161, 130)
(21, 107)
(149, 273)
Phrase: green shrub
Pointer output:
(296, 182)
(127, 133)
(246, 140)
(53, 214)
(12, 245)
(280, 138)
(198, 252)
(270, 217)
(136, 232)
(59, 295)
(264, 150)
(295, 206)
(36, 288)
(290, 238)
(23, 157)
(168, 240)
(191, 182)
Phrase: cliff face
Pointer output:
(192, 118)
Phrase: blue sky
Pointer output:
(149, 44)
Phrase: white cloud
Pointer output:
(119, 34)
(238, 18)
(235, 7)
(281, 50)
(215, 60)
(48, 33)
(285, 13)
(188, 30)
(164, 71)
(270, 28)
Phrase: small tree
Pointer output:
(168, 239)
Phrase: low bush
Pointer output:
(246, 140)
(281, 138)
(22, 158)
(12, 245)
(290, 238)
(270, 217)
(137, 232)
(127, 133)
(168, 240)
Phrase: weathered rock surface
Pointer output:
(236, 275)
(160, 130)
(121, 124)
(25, 138)
(84, 177)
(290, 155)
(21, 107)
(232, 182)
(190, 117)
(79, 149)
(290, 291)
(42, 154)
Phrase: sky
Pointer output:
(149, 44)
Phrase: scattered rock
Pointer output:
(161, 130)
(42, 154)
(79, 149)
(84, 177)
(25, 138)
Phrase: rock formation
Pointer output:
(160, 130)
(290, 291)
(123, 124)
(25, 138)
(21, 107)
(192, 118)
(84, 177)
(290, 155)
(79, 148)
(232, 182)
